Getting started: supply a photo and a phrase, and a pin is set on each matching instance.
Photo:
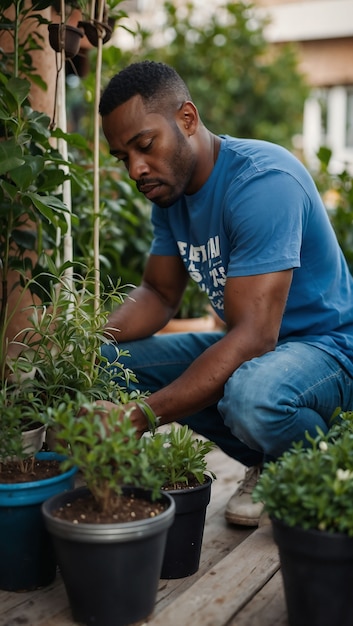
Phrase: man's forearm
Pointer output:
(202, 384)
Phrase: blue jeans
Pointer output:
(268, 403)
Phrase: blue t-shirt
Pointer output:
(259, 212)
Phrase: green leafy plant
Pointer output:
(194, 303)
(32, 172)
(20, 412)
(59, 358)
(104, 446)
(182, 456)
(337, 192)
(61, 347)
(30, 206)
(312, 487)
(107, 452)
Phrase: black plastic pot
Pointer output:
(184, 542)
(65, 37)
(27, 559)
(110, 571)
(94, 29)
(317, 571)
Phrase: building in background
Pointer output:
(323, 32)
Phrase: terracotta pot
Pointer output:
(191, 325)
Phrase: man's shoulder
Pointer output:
(257, 150)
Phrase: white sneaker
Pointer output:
(240, 508)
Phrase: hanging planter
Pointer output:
(65, 37)
(95, 30)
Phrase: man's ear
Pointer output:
(188, 118)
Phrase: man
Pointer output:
(243, 218)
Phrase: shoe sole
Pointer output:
(241, 521)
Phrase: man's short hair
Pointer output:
(158, 84)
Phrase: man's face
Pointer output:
(155, 150)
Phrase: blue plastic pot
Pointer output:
(27, 556)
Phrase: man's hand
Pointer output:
(136, 415)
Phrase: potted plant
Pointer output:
(59, 355)
(188, 481)
(31, 212)
(110, 536)
(59, 360)
(27, 478)
(308, 494)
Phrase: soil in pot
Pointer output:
(84, 510)
(36, 469)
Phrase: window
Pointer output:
(328, 120)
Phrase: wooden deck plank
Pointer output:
(35, 608)
(266, 608)
(218, 595)
(219, 541)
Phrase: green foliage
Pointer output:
(20, 411)
(29, 166)
(312, 487)
(257, 90)
(110, 456)
(194, 302)
(60, 367)
(125, 226)
(180, 455)
(107, 453)
(62, 345)
(32, 171)
(18, 62)
(337, 192)
(31, 208)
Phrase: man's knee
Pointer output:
(240, 407)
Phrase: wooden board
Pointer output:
(218, 595)
(266, 608)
